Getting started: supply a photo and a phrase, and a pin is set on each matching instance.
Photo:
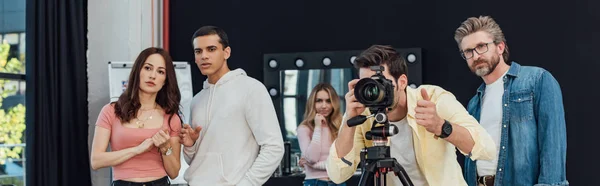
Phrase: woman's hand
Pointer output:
(319, 120)
(161, 139)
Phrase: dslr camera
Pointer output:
(376, 92)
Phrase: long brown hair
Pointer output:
(168, 96)
(334, 119)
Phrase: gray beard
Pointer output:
(486, 70)
(482, 71)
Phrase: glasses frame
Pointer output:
(473, 50)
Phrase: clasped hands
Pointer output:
(159, 140)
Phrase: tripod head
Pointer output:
(377, 133)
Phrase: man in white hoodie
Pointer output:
(235, 137)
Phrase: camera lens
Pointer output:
(371, 92)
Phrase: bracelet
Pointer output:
(161, 149)
(168, 152)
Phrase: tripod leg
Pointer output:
(367, 175)
(385, 179)
(399, 170)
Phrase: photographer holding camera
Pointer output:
(425, 125)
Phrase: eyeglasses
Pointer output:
(480, 49)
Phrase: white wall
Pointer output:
(117, 31)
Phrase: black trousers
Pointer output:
(164, 181)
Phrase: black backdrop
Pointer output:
(559, 36)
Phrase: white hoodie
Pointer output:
(240, 142)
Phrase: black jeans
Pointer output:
(164, 181)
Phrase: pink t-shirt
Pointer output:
(147, 164)
(315, 149)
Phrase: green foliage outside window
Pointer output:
(12, 120)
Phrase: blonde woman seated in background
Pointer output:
(322, 118)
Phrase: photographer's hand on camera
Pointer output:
(345, 140)
(426, 114)
(353, 107)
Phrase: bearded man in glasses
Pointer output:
(521, 107)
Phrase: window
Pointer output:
(12, 93)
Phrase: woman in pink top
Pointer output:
(142, 126)
(322, 118)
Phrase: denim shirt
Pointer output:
(533, 143)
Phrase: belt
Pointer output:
(159, 182)
(486, 180)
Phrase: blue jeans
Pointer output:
(316, 182)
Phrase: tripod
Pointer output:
(376, 160)
(377, 163)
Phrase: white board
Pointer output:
(118, 75)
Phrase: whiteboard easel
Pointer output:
(118, 75)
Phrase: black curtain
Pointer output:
(57, 111)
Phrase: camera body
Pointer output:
(375, 92)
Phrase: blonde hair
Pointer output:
(334, 119)
(482, 23)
